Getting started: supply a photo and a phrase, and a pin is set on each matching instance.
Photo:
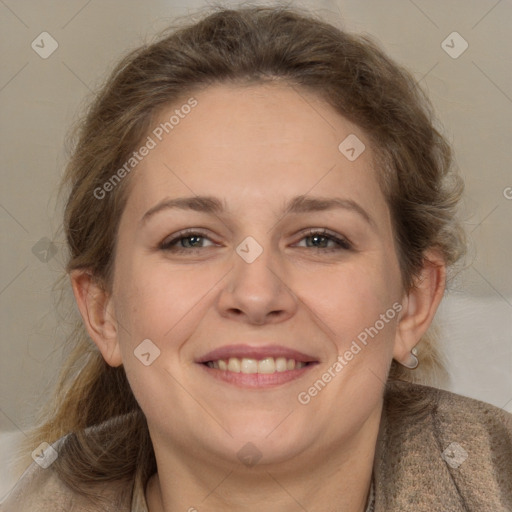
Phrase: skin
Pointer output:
(256, 147)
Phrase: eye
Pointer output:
(192, 240)
(322, 236)
(185, 241)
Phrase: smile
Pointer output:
(247, 365)
(256, 374)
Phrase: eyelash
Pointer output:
(343, 243)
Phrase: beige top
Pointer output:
(451, 454)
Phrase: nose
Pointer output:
(257, 292)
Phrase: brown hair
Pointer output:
(250, 44)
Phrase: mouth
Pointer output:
(256, 367)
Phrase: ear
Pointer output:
(419, 306)
(96, 308)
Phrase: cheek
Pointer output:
(358, 309)
(352, 297)
(163, 304)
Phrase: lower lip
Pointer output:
(257, 380)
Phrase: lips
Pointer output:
(259, 353)
(260, 367)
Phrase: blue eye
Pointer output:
(190, 241)
(324, 235)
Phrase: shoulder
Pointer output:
(37, 490)
(40, 489)
(445, 401)
(448, 411)
(458, 447)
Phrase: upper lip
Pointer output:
(252, 352)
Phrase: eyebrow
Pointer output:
(299, 204)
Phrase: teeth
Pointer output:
(234, 365)
(248, 365)
(281, 364)
(267, 365)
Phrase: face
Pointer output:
(289, 261)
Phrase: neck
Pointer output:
(337, 477)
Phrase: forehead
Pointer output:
(244, 118)
(252, 141)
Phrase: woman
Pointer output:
(260, 217)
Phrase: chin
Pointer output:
(273, 439)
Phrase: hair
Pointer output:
(239, 46)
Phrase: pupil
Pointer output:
(317, 237)
(196, 238)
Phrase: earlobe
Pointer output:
(95, 306)
(419, 307)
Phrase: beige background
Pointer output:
(39, 99)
